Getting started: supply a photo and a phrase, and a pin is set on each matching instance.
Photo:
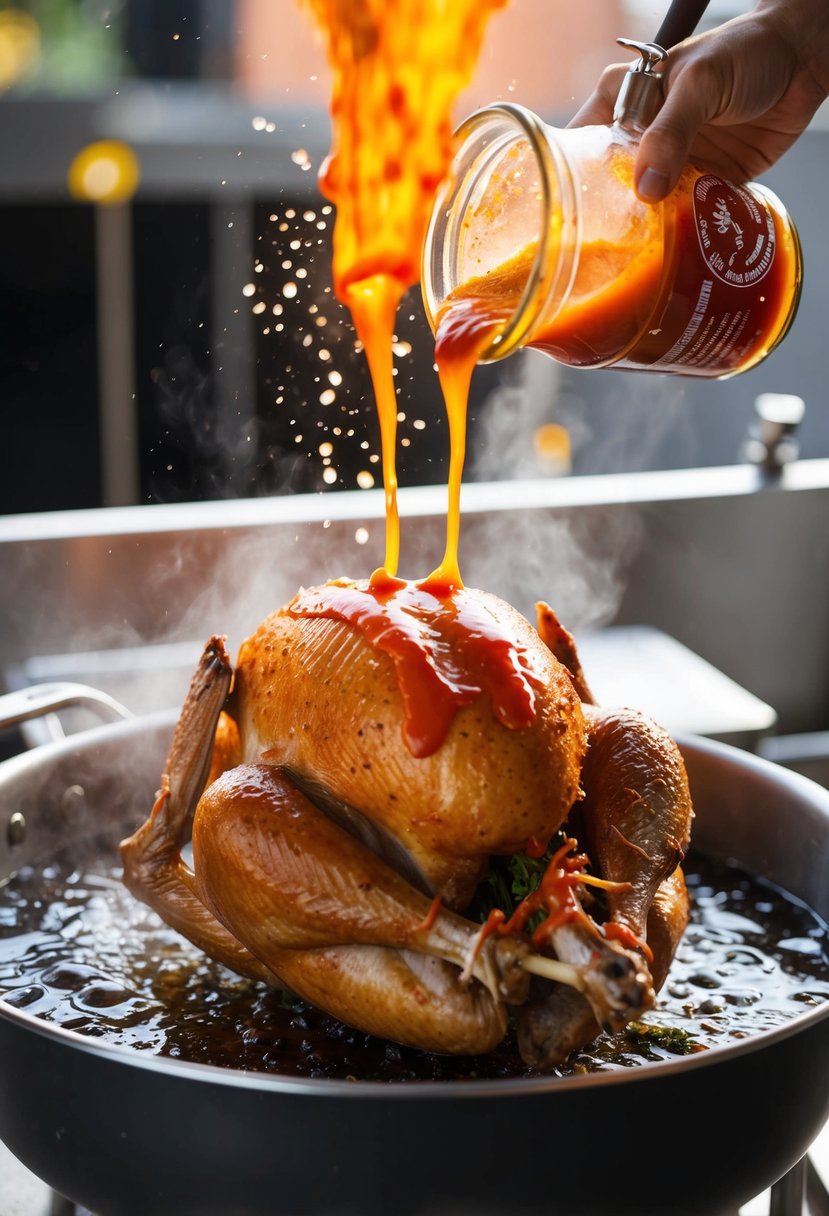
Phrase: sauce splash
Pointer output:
(397, 71)
(447, 647)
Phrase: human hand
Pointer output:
(736, 97)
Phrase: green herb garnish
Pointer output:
(508, 880)
(670, 1038)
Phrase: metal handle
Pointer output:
(42, 699)
(640, 96)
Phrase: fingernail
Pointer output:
(652, 185)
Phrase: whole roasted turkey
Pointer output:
(348, 785)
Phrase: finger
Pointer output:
(598, 109)
(666, 144)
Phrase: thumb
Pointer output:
(666, 144)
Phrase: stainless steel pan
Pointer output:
(130, 1135)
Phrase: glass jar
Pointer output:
(539, 236)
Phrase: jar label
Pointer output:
(729, 287)
(736, 237)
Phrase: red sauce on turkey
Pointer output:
(446, 645)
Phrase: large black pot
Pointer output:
(130, 1135)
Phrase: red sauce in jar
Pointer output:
(710, 296)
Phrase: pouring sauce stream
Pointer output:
(397, 71)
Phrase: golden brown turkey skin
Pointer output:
(338, 926)
(636, 815)
(313, 696)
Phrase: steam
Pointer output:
(524, 401)
(259, 572)
(216, 441)
(578, 562)
(128, 612)
(617, 422)
(622, 422)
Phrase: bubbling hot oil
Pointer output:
(78, 951)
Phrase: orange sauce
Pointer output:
(609, 302)
(628, 305)
(397, 69)
(465, 330)
(446, 645)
